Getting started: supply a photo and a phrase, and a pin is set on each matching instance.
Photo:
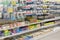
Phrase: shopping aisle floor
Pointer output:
(55, 36)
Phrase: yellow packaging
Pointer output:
(46, 24)
(45, 0)
(6, 32)
(57, 0)
(10, 10)
(39, 20)
(45, 11)
(31, 27)
(13, 2)
(44, 6)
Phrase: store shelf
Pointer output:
(27, 31)
(17, 9)
(42, 36)
(56, 18)
(3, 21)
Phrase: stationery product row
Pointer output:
(13, 8)
(8, 32)
(26, 12)
(29, 18)
(28, 36)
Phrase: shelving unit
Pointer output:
(56, 18)
(30, 31)
(19, 17)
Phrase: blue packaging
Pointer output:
(12, 16)
(22, 29)
(1, 33)
(17, 30)
(28, 38)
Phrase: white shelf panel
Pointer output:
(27, 31)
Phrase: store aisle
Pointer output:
(55, 36)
